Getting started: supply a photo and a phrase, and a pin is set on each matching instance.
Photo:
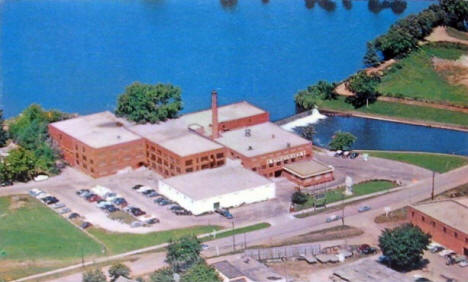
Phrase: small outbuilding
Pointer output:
(207, 190)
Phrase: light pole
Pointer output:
(433, 180)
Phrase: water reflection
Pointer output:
(327, 5)
(397, 6)
(347, 4)
(228, 4)
(265, 1)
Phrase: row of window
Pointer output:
(444, 229)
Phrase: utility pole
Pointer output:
(342, 211)
(433, 180)
(233, 238)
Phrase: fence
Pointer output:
(283, 252)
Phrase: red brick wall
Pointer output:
(244, 122)
(441, 233)
(309, 181)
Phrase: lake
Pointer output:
(77, 56)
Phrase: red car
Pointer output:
(94, 198)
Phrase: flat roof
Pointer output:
(308, 168)
(368, 270)
(227, 269)
(450, 212)
(208, 183)
(225, 113)
(264, 138)
(97, 130)
(175, 137)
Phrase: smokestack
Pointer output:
(214, 115)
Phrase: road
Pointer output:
(285, 226)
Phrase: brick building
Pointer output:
(308, 173)
(190, 143)
(445, 220)
(98, 144)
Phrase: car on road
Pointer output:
(85, 225)
(364, 209)
(333, 218)
(58, 205)
(353, 155)
(225, 213)
(73, 215)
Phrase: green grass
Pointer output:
(125, 242)
(360, 189)
(33, 231)
(236, 231)
(437, 162)
(457, 34)
(415, 77)
(410, 112)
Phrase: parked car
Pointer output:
(164, 202)
(6, 183)
(136, 223)
(73, 215)
(50, 200)
(93, 198)
(384, 260)
(345, 154)
(121, 202)
(184, 212)
(354, 155)
(35, 192)
(338, 153)
(157, 200)
(85, 225)
(175, 207)
(204, 246)
(102, 204)
(366, 249)
(81, 191)
(64, 211)
(111, 196)
(138, 212)
(225, 213)
(111, 208)
(58, 205)
(138, 186)
(364, 209)
(436, 249)
(149, 219)
(147, 191)
(333, 218)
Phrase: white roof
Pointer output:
(208, 183)
(175, 137)
(264, 138)
(97, 130)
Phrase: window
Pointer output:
(263, 166)
(92, 170)
(433, 224)
(455, 234)
(423, 219)
(91, 161)
(76, 147)
(205, 158)
(84, 158)
(220, 163)
(188, 162)
(270, 164)
(412, 214)
(445, 229)
(189, 169)
(220, 155)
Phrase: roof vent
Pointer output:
(118, 136)
(250, 148)
(247, 132)
(288, 145)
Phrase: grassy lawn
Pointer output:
(33, 235)
(236, 231)
(415, 77)
(410, 112)
(437, 162)
(456, 33)
(360, 189)
(125, 242)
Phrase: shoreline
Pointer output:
(331, 112)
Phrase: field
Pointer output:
(123, 242)
(397, 110)
(34, 238)
(360, 189)
(236, 231)
(415, 77)
(437, 162)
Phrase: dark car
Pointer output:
(146, 192)
(152, 194)
(50, 200)
(82, 191)
(6, 183)
(175, 207)
(85, 225)
(73, 215)
(138, 212)
(164, 202)
(354, 155)
(182, 212)
(138, 186)
(121, 202)
(111, 208)
(225, 213)
(366, 249)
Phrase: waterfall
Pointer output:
(314, 117)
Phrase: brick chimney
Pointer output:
(214, 115)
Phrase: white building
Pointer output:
(223, 187)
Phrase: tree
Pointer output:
(404, 246)
(364, 87)
(117, 270)
(342, 141)
(95, 275)
(311, 97)
(299, 198)
(3, 132)
(143, 103)
(456, 12)
(162, 275)
(371, 58)
(182, 253)
(200, 272)
(307, 132)
(19, 165)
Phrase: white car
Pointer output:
(103, 204)
(333, 218)
(35, 192)
(58, 205)
(112, 196)
(143, 189)
(41, 177)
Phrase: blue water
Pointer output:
(77, 56)
(384, 135)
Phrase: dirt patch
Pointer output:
(13, 269)
(17, 202)
(396, 216)
(440, 34)
(456, 72)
